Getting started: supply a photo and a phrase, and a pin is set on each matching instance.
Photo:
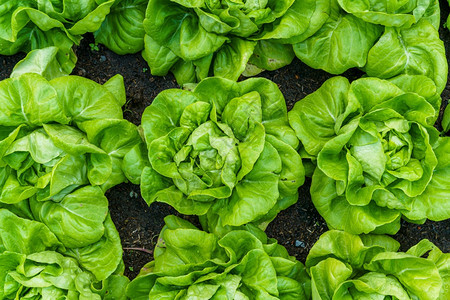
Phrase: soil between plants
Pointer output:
(297, 228)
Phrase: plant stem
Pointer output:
(139, 249)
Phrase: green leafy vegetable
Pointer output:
(193, 39)
(244, 264)
(59, 135)
(34, 264)
(352, 36)
(29, 25)
(377, 155)
(224, 151)
(62, 143)
(346, 266)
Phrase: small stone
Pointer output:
(299, 244)
(82, 72)
(102, 58)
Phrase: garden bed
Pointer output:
(297, 228)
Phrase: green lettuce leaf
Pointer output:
(47, 62)
(446, 119)
(341, 43)
(388, 13)
(123, 30)
(415, 51)
(431, 203)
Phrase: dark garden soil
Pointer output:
(297, 228)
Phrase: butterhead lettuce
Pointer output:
(35, 264)
(346, 266)
(194, 39)
(223, 151)
(383, 38)
(29, 25)
(62, 142)
(378, 157)
(243, 264)
(59, 135)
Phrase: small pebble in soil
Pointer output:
(102, 58)
(82, 72)
(133, 194)
(299, 244)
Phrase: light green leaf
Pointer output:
(117, 87)
(102, 257)
(123, 30)
(415, 51)
(354, 219)
(231, 59)
(165, 112)
(29, 99)
(84, 100)
(301, 20)
(446, 120)
(315, 118)
(387, 13)
(431, 203)
(271, 55)
(78, 219)
(352, 249)
(256, 193)
(326, 276)
(160, 58)
(406, 268)
(25, 236)
(47, 62)
(341, 43)
(92, 20)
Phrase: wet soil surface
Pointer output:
(297, 228)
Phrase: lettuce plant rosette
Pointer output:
(384, 38)
(378, 157)
(59, 135)
(223, 151)
(62, 143)
(347, 266)
(244, 264)
(35, 264)
(194, 39)
(29, 25)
